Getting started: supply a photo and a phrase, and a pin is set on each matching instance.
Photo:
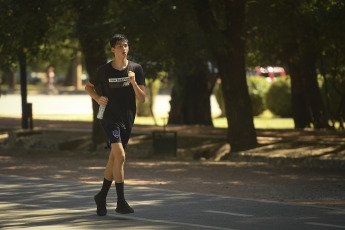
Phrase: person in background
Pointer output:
(50, 76)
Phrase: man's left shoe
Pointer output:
(123, 208)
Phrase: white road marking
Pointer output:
(178, 223)
(58, 211)
(228, 213)
(326, 225)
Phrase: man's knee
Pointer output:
(117, 152)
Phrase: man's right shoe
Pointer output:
(101, 205)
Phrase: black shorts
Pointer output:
(117, 133)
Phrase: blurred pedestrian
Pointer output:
(121, 81)
(50, 80)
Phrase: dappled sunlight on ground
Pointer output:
(238, 179)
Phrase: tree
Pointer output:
(224, 24)
(292, 31)
(166, 33)
(193, 81)
(331, 19)
(24, 29)
(93, 33)
(190, 97)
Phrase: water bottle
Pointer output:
(101, 111)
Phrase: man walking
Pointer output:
(121, 81)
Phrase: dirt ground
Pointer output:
(253, 180)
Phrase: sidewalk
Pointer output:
(317, 149)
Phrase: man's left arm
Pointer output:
(138, 89)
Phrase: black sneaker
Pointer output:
(101, 205)
(123, 208)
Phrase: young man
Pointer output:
(122, 81)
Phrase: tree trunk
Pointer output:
(307, 103)
(300, 111)
(190, 98)
(10, 79)
(23, 89)
(73, 77)
(92, 45)
(317, 109)
(241, 131)
(93, 59)
(228, 36)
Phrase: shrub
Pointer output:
(332, 94)
(257, 88)
(278, 97)
(152, 88)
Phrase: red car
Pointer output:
(270, 72)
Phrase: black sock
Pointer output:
(119, 191)
(105, 188)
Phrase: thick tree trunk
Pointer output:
(307, 104)
(317, 109)
(228, 35)
(94, 57)
(300, 111)
(190, 98)
(241, 131)
(92, 46)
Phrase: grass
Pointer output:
(260, 122)
(266, 120)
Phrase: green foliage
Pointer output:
(278, 97)
(152, 88)
(24, 27)
(257, 88)
(332, 89)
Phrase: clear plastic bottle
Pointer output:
(101, 111)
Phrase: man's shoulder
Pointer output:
(104, 66)
(134, 64)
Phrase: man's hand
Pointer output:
(102, 100)
(131, 76)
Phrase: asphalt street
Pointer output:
(34, 203)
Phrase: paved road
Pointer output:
(54, 204)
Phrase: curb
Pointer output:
(307, 162)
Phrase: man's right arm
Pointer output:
(90, 89)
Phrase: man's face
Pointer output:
(121, 49)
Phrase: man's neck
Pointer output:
(119, 64)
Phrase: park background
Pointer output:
(195, 48)
(240, 132)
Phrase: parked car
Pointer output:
(270, 72)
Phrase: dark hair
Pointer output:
(118, 38)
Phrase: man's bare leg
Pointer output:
(108, 172)
(118, 173)
(118, 156)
